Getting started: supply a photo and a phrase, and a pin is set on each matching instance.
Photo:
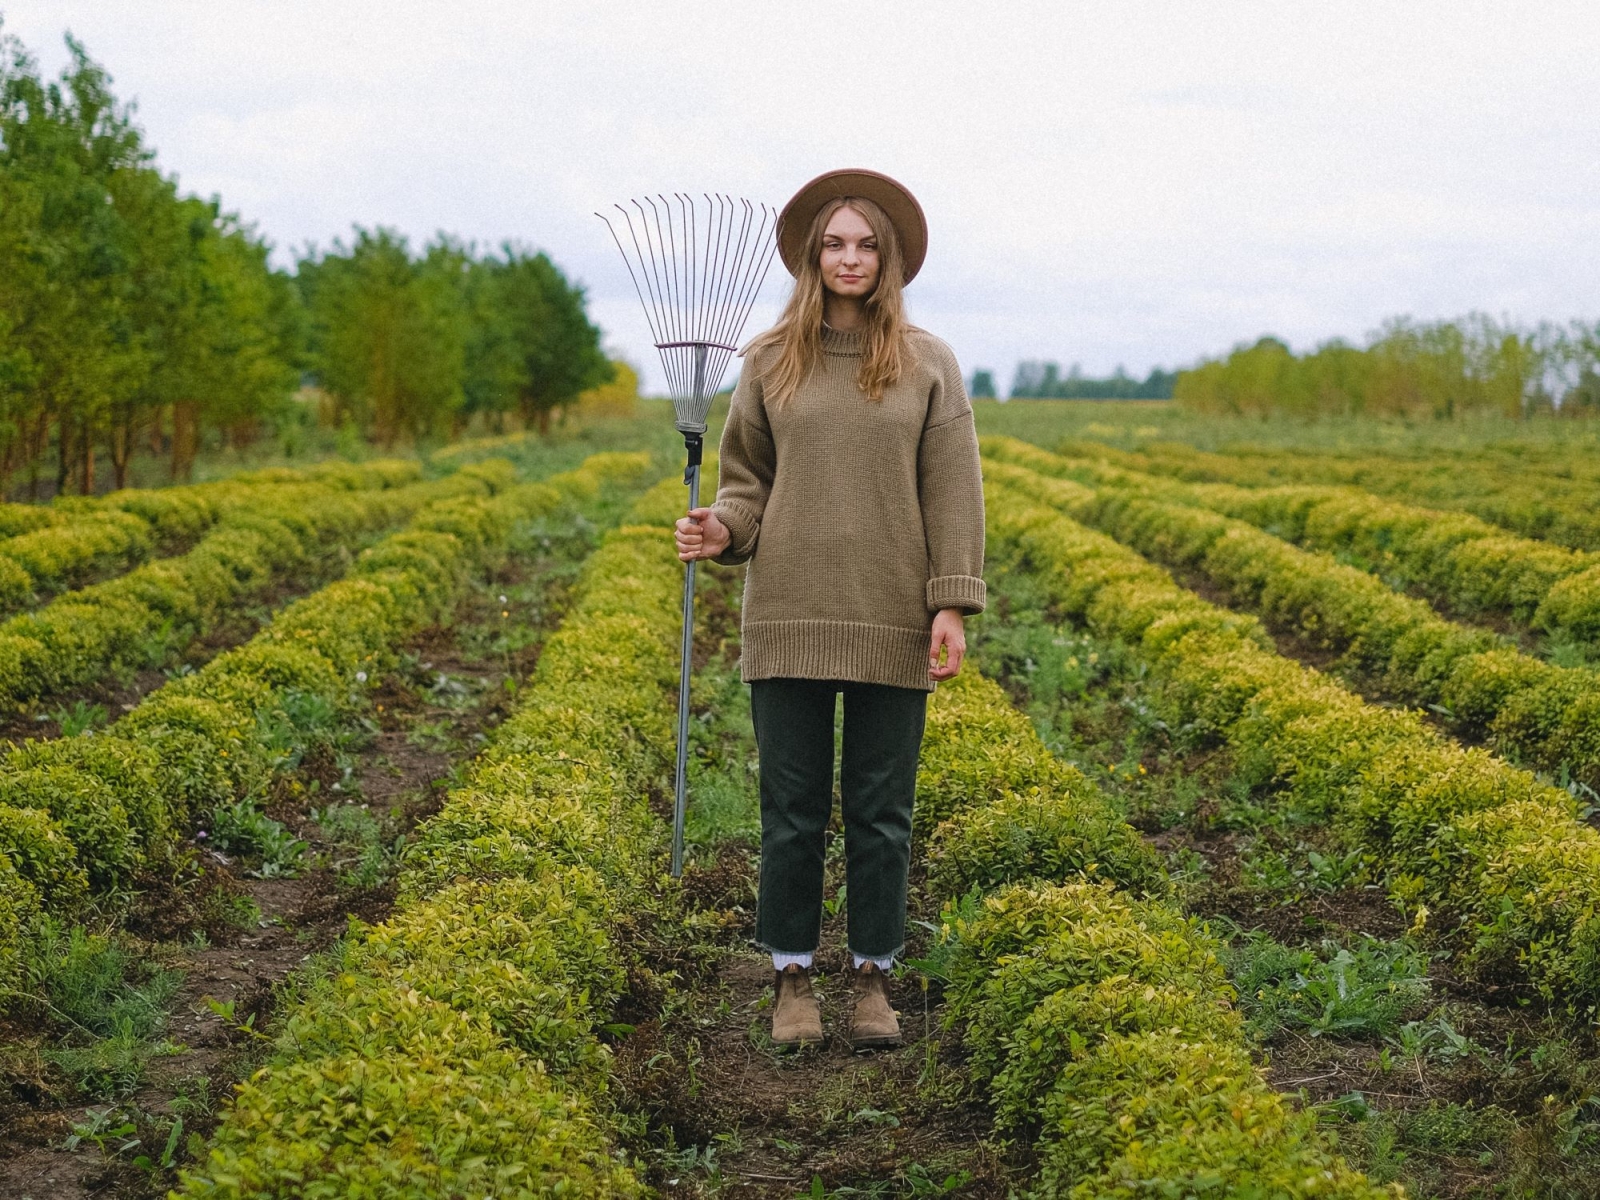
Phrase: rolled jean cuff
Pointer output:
(892, 956)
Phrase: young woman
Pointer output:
(850, 484)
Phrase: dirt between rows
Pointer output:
(729, 1114)
(232, 979)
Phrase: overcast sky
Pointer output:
(1105, 183)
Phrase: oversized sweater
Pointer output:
(859, 519)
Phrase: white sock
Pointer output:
(883, 964)
(780, 961)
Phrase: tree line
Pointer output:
(1408, 368)
(134, 315)
(1037, 379)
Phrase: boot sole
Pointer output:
(877, 1043)
(797, 1043)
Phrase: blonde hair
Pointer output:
(798, 333)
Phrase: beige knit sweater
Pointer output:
(859, 519)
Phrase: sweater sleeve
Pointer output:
(950, 487)
(747, 462)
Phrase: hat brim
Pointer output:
(888, 194)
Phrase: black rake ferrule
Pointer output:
(695, 445)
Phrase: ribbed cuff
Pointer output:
(966, 592)
(847, 650)
(742, 530)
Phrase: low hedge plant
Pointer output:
(1098, 1018)
(212, 739)
(484, 993)
(1398, 647)
(1465, 834)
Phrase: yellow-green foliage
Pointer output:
(1465, 832)
(1460, 561)
(1010, 810)
(46, 549)
(1555, 505)
(466, 1023)
(1100, 1022)
(60, 555)
(19, 905)
(1397, 646)
(103, 806)
(264, 534)
(36, 849)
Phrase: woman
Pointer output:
(850, 484)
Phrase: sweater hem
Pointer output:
(854, 651)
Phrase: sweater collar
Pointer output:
(847, 344)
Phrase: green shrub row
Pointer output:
(47, 548)
(1097, 1017)
(1398, 647)
(263, 536)
(1509, 872)
(453, 1049)
(80, 816)
(1536, 505)
(1461, 562)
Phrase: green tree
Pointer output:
(554, 345)
(388, 333)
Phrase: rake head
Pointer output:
(697, 267)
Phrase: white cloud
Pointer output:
(1135, 183)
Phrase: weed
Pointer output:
(111, 1004)
(367, 851)
(240, 827)
(79, 718)
(1360, 990)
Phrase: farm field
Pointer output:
(1256, 854)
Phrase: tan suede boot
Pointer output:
(796, 1019)
(873, 1023)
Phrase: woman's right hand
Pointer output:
(700, 535)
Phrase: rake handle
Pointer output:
(691, 476)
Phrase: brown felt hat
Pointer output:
(900, 205)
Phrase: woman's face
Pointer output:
(849, 255)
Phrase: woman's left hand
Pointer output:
(950, 634)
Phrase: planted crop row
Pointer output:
(1097, 1016)
(80, 816)
(1461, 562)
(1502, 860)
(1398, 647)
(134, 620)
(47, 548)
(453, 1050)
(1547, 507)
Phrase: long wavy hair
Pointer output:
(798, 334)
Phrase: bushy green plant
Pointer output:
(1456, 829)
(1545, 714)
(468, 1019)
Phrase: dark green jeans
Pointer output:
(877, 783)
